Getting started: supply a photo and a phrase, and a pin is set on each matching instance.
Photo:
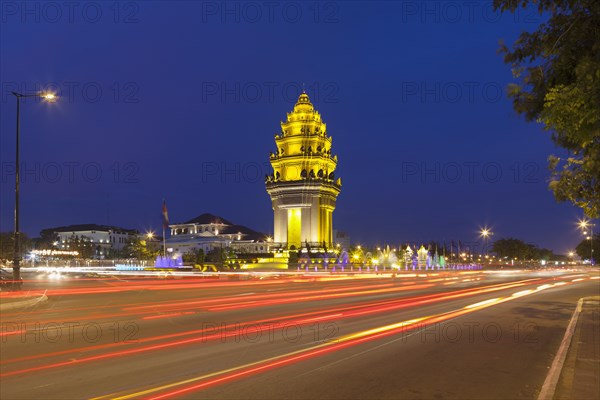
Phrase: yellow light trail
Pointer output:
(203, 381)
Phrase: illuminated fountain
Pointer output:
(407, 256)
(343, 259)
(387, 257)
(168, 262)
(423, 256)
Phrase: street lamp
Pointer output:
(584, 224)
(50, 97)
(485, 233)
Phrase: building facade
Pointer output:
(104, 240)
(208, 232)
(303, 187)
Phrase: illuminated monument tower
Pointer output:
(303, 187)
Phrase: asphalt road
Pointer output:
(456, 335)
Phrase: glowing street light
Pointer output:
(485, 233)
(584, 225)
(150, 235)
(49, 97)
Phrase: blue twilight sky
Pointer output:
(181, 99)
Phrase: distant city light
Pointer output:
(50, 252)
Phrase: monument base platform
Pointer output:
(278, 262)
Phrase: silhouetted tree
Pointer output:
(558, 72)
(7, 245)
(583, 249)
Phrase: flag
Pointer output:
(165, 214)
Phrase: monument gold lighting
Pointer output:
(303, 187)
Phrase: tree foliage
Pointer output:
(516, 248)
(45, 240)
(195, 256)
(557, 68)
(139, 249)
(7, 245)
(583, 249)
(218, 255)
(82, 244)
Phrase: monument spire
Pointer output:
(303, 187)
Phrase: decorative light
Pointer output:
(51, 252)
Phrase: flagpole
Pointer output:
(165, 222)
(164, 243)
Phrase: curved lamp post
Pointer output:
(17, 245)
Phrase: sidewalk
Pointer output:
(580, 376)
